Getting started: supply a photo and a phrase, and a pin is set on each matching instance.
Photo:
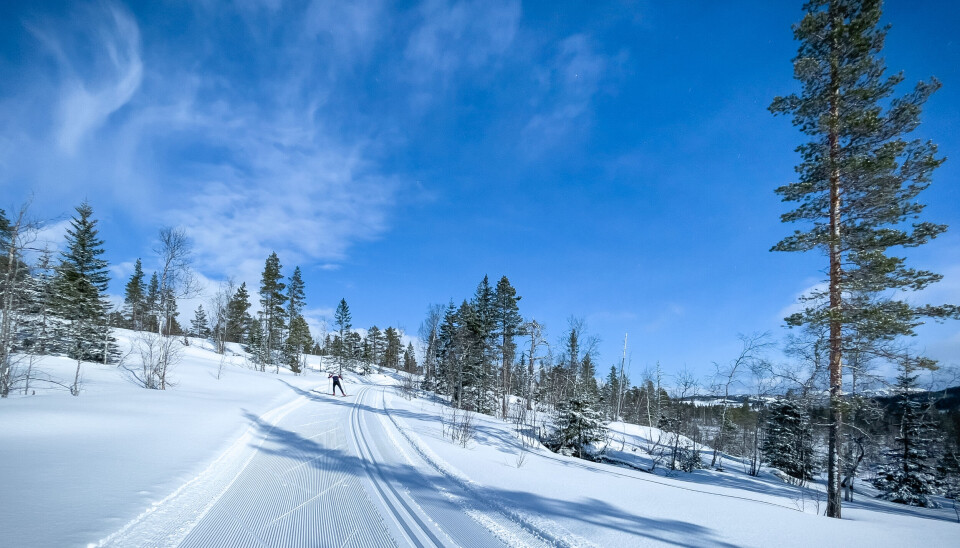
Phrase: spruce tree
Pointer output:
(858, 186)
(298, 342)
(788, 443)
(238, 319)
(40, 304)
(409, 359)
(449, 355)
(4, 233)
(482, 325)
(342, 318)
(151, 305)
(576, 425)
(199, 326)
(470, 364)
(609, 393)
(909, 475)
(80, 284)
(134, 298)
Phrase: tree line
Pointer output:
(55, 303)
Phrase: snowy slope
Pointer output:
(265, 459)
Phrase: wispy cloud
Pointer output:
(353, 28)
(463, 35)
(247, 164)
(91, 93)
(567, 85)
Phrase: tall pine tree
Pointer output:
(298, 332)
(272, 312)
(507, 322)
(859, 181)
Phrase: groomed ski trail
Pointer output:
(320, 471)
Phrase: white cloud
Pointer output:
(796, 305)
(460, 35)
(52, 235)
(567, 86)
(89, 97)
(245, 167)
(351, 27)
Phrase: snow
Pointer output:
(270, 458)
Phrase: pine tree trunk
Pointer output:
(836, 335)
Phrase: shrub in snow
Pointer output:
(689, 459)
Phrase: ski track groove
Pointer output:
(379, 480)
(313, 503)
(289, 485)
(481, 505)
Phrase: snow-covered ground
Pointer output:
(272, 459)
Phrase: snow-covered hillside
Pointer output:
(254, 458)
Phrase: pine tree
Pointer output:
(238, 319)
(376, 343)
(80, 283)
(295, 295)
(134, 298)
(272, 313)
(859, 180)
(298, 334)
(507, 322)
(391, 353)
(342, 318)
(199, 326)
(909, 475)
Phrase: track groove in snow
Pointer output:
(404, 515)
(534, 530)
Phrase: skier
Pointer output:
(336, 384)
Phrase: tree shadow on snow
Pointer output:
(422, 484)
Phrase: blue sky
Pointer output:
(614, 159)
